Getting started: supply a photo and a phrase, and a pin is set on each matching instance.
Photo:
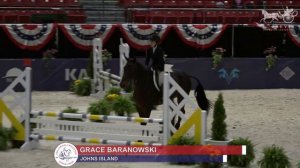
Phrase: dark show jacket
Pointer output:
(157, 57)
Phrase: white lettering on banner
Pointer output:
(82, 74)
(70, 74)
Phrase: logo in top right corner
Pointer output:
(285, 16)
(234, 74)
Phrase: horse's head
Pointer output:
(130, 73)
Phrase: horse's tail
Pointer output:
(200, 95)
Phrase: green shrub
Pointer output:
(101, 107)
(242, 160)
(274, 156)
(72, 86)
(114, 90)
(183, 140)
(130, 96)
(217, 56)
(73, 111)
(298, 165)
(6, 135)
(123, 105)
(83, 87)
(112, 97)
(219, 131)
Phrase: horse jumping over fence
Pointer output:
(146, 96)
(49, 126)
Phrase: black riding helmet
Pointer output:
(155, 38)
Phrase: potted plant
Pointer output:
(122, 105)
(6, 135)
(219, 127)
(114, 90)
(48, 56)
(101, 107)
(271, 57)
(81, 87)
(298, 165)
(106, 56)
(242, 160)
(183, 140)
(217, 56)
(274, 156)
(70, 110)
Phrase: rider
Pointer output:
(156, 55)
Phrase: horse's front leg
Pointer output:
(144, 112)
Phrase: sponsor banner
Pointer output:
(235, 73)
(53, 75)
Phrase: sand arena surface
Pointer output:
(265, 116)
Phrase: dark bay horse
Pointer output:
(146, 96)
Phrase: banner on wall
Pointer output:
(232, 73)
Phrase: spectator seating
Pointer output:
(196, 16)
(22, 11)
(208, 3)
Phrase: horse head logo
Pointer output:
(65, 154)
(234, 74)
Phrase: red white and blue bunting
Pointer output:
(294, 33)
(36, 36)
(138, 35)
(30, 36)
(200, 36)
(82, 35)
